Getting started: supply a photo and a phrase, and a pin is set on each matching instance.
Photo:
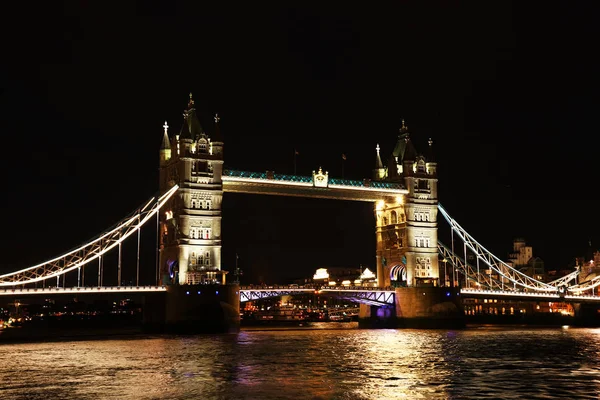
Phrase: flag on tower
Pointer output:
(296, 151)
(343, 156)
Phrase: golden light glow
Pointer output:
(400, 199)
(380, 205)
(321, 274)
(367, 274)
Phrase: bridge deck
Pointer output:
(302, 186)
(81, 290)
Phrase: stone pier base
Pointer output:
(417, 307)
(190, 309)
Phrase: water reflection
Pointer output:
(311, 364)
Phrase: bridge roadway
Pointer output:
(359, 294)
(305, 186)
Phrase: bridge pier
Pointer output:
(191, 309)
(417, 307)
(587, 315)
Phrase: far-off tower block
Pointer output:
(407, 248)
(190, 223)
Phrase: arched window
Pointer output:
(394, 217)
(193, 259)
(207, 258)
(202, 145)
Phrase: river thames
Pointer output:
(351, 363)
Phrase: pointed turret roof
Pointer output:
(184, 133)
(195, 129)
(404, 150)
(166, 144)
(392, 167)
(378, 163)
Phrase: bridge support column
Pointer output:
(587, 315)
(377, 317)
(429, 307)
(417, 307)
(190, 309)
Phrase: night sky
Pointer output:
(508, 93)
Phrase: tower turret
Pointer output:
(407, 227)
(190, 224)
(165, 147)
(379, 170)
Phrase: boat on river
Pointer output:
(277, 316)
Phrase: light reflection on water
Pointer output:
(516, 363)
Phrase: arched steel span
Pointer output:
(487, 281)
(508, 274)
(482, 280)
(91, 250)
(505, 271)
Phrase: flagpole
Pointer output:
(295, 154)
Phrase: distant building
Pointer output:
(344, 276)
(589, 267)
(522, 259)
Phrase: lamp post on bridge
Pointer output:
(445, 261)
(453, 277)
(237, 271)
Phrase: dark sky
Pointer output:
(508, 93)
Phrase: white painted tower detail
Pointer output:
(190, 224)
(406, 227)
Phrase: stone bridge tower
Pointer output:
(190, 223)
(406, 231)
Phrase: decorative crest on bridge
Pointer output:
(320, 179)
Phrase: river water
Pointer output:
(323, 363)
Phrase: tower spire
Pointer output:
(193, 124)
(165, 146)
(378, 163)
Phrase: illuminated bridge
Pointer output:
(487, 276)
(411, 261)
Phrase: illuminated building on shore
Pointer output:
(522, 258)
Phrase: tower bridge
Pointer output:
(188, 211)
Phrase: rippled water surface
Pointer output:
(478, 363)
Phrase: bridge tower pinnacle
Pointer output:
(190, 224)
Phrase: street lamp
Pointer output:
(453, 278)
(445, 272)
